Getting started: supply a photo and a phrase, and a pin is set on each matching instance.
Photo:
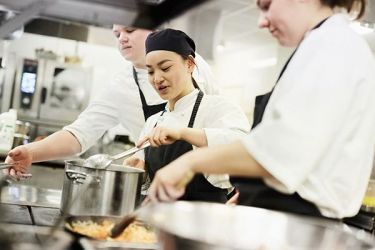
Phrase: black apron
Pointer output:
(254, 192)
(199, 189)
(148, 110)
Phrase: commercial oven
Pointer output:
(50, 94)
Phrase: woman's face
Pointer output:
(131, 43)
(286, 20)
(169, 74)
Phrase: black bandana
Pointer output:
(170, 40)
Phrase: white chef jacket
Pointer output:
(120, 103)
(222, 122)
(318, 131)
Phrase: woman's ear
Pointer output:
(191, 64)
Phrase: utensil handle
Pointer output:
(130, 151)
(7, 165)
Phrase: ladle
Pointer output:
(102, 161)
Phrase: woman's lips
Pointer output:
(125, 47)
(273, 32)
(163, 89)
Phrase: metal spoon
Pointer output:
(102, 161)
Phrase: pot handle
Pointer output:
(76, 176)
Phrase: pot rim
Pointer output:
(112, 167)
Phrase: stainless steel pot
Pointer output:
(114, 191)
(209, 226)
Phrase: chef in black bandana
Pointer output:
(190, 120)
(311, 147)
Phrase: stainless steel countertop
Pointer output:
(15, 214)
(30, 196)
(33, 237)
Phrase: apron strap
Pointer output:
(195, 109)
(148, 110)
(261, 101)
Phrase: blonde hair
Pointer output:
(350, 5)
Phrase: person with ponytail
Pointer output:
(190, 120)
(311, 147)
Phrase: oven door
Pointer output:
(66, 91)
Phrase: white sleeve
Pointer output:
(101, 114)
(302, 118)
(225, 122)
(204, 77)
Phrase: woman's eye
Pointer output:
(166, 69)
(150, 72)
(130, 30)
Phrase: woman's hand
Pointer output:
(169, 182)
(21, 158)
(162, 136)
(134, 162)
(234, 199)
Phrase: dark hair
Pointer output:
(192, 78)
(349, 5)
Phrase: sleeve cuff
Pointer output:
(75, 133)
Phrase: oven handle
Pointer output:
(43, 95)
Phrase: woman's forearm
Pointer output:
(58, 145)
(196, 137)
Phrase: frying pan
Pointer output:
(94, 218)
(99, 219)
(102, 244)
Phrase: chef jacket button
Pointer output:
(276, 114)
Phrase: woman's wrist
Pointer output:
(183, 134)
(190, 162)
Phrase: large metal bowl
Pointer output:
(208, 226)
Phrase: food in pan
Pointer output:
(134, 233)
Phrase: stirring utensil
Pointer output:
(5, 165)
(20, 176)
(102, 161)
(119, 227)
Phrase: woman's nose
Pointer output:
(263, 21)
(123, 37)
(158, 78)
